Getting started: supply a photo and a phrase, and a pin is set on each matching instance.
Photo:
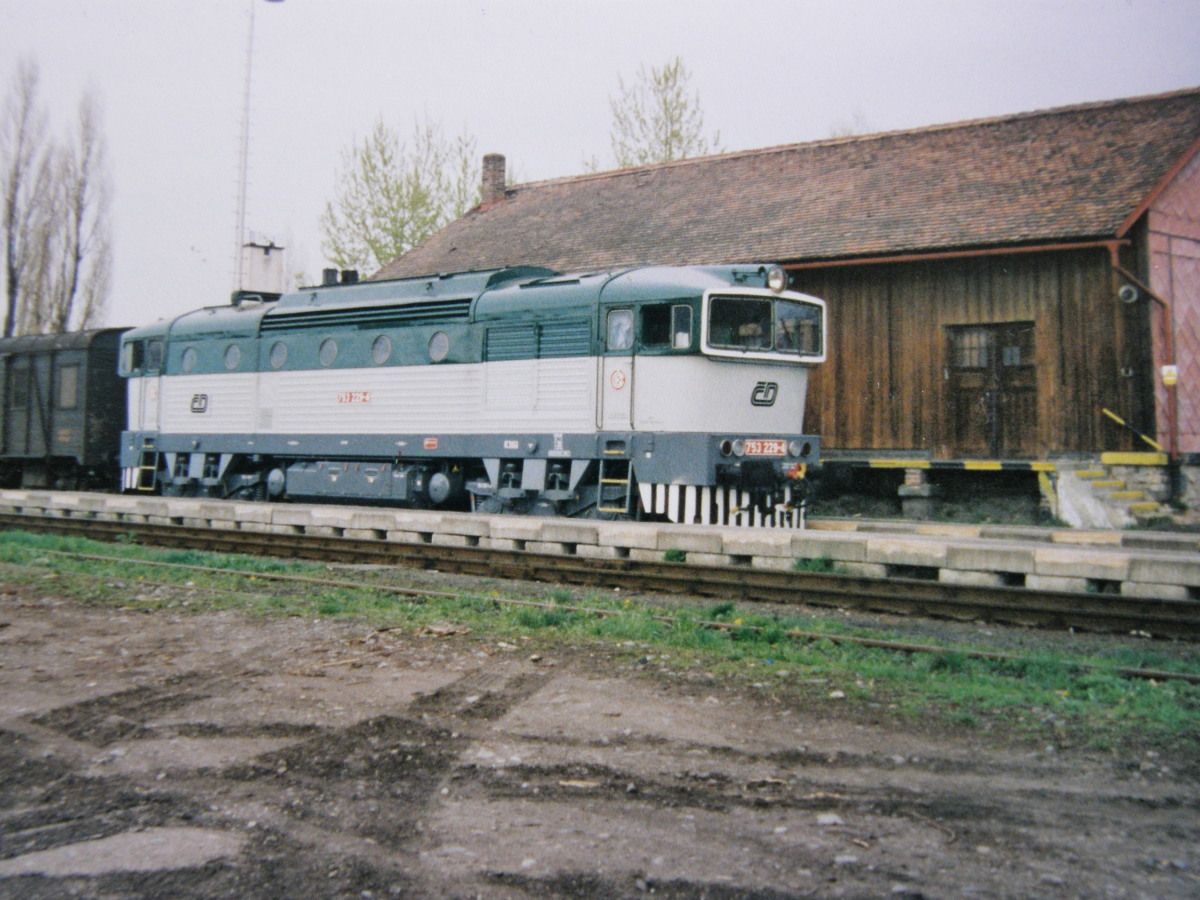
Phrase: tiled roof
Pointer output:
(1057, 175)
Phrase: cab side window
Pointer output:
(667, 325)
(620, 329)
(154, 355)
(142, 356)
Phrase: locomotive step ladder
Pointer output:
(147, 468)
(616, 486)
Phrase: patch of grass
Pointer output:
(721, 611)
(814, 564)
(675, 555)
(1051, 690)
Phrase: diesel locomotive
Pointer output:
(664, 392)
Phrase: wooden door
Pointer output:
(993, 389)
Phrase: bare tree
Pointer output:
(57, 247)
(22, 147)
(392, 194)
(75, 289)
(849, 127)
(658, 118)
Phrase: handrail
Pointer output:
(1149, 440)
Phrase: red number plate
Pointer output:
(757, 447)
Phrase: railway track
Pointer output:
(1174, 619)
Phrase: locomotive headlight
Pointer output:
(795, 449)
(777, 279)
(726, 447)
(739, 448)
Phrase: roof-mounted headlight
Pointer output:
(777, 279)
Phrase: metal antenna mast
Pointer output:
(243, 159)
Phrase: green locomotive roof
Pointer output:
(479, 296)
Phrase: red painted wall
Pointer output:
(1174, 242)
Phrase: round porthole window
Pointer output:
(329, 350)
(381, 349)
(439, 346)
(278, 354)
(189, 360)
(233, 357)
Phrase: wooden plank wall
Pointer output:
(884, 386)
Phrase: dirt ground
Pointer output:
(155, 754)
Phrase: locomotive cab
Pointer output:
(709, 369)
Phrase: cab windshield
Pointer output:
(765, 325)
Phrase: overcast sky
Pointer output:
(528, 78)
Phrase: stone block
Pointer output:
(516, 528)
(443, 539)
(641, 535)
(596, 551)
(972, 578)
(1165, 568)
(710, 559)
(775, 563)
(837, 546)
(757, 542)
(417, 520)
(365, 534)
(1015, 533)
(1084, 564)
(832, 525)
(1086, 536)
(947, 529)
(989, 557)
(402, 536)
(641, 554)
(556, 548)
(1150, 591)
(690, 540)
(863, 569)
(463, 523)
(332, 517)
(568, 532)
(371, 520)
(901, 552)
(298, 516)
(1056, 583)
(324, 530)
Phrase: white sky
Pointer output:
(528, 78)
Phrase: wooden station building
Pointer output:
(992, 285)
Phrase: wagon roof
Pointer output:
(70, 340)
(1062, 174)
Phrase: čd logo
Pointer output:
(764, 393)
(199, 403)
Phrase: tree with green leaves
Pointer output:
(658, 118)
(393, 193)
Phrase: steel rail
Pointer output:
(1113, 613)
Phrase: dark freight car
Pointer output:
(63, 409)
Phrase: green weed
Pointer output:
(814, 564)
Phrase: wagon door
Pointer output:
(616, 372)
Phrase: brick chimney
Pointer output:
(493, 178)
